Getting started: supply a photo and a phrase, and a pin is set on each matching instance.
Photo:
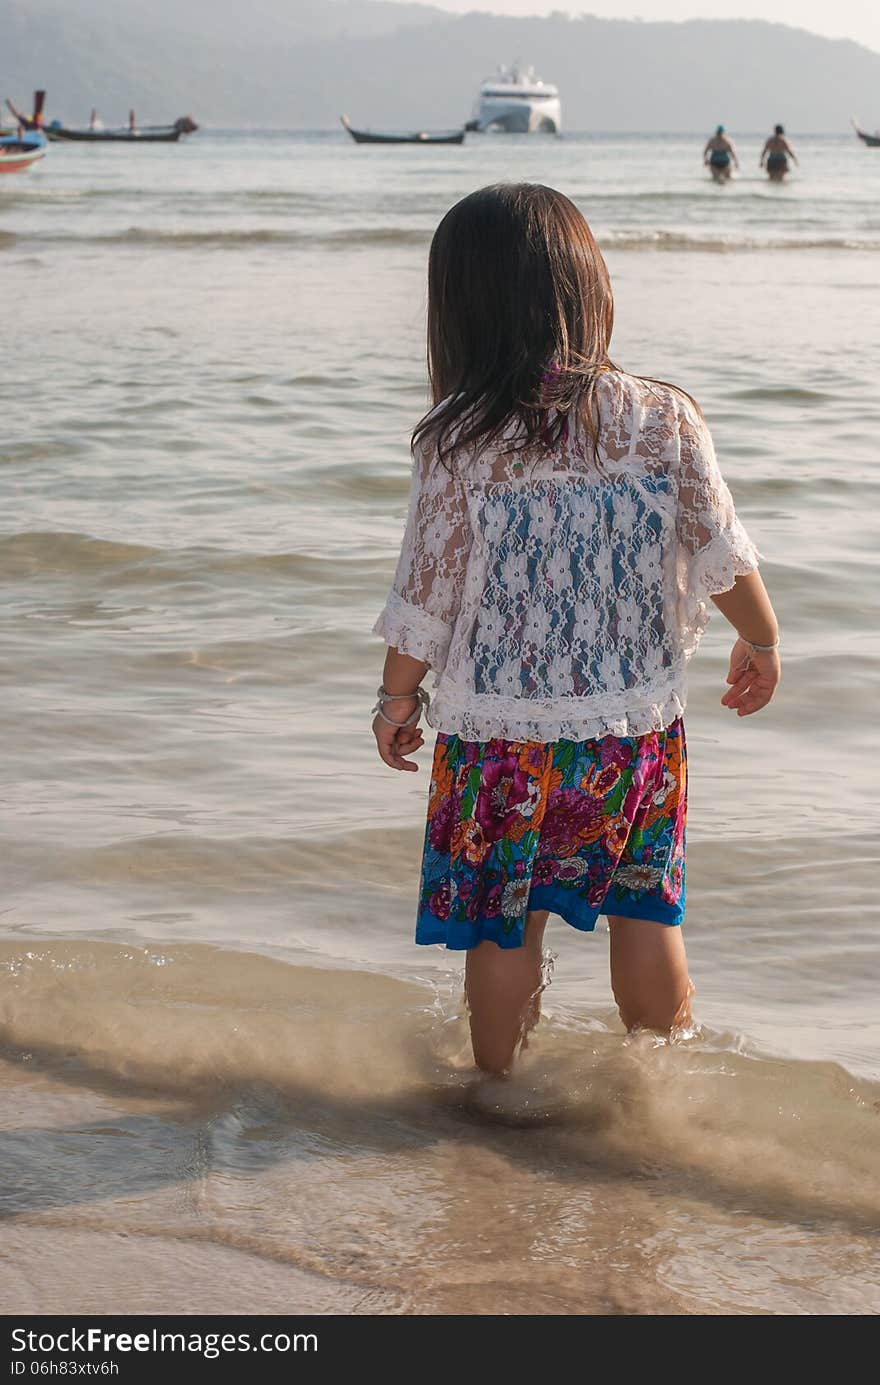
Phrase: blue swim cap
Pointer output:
(720, 130)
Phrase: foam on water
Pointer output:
(325, 1120)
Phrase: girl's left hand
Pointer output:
(394, 742)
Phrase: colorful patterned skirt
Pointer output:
(580, 828)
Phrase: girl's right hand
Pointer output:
(753, 677)
(395, 742)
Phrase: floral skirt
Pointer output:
(580, 828)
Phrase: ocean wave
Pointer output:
(727, 244)
(719, 1118)
(47, 553)
(395, 235)
(232, 237)
(148, 235)
(784, 394)
(322, 864)
(700, 194)
(180, 1099)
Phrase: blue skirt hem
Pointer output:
(460, 935)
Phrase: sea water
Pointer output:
(231, 1082)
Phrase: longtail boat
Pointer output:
(393, 137)
(34, 121)
(132, 134)
(19, 151)
(872, 141)
(93, 133)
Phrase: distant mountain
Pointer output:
(301, 62)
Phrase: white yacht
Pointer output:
(517, 101)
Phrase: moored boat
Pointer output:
(517, 102)
(402, 137)
(131, 134)
(872, 141)
(94, 133)
(20, 151)
(34, 121)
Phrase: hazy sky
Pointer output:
(856, 19)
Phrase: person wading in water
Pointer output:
(776, 154)
(568, 528)
(719, 155)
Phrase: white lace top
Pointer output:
(557, 596)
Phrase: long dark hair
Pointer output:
(520, 315)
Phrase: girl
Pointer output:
(567, 525)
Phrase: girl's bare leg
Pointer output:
(649, 974)
(503, 990)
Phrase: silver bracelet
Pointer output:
(761, 648)
(402, 697)
(418, 693)
(410, 721)
(423, 701)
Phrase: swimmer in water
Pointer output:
(776, 154)
(719, 155)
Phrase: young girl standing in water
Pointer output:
(567, 525)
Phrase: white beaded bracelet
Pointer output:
(761, 648)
